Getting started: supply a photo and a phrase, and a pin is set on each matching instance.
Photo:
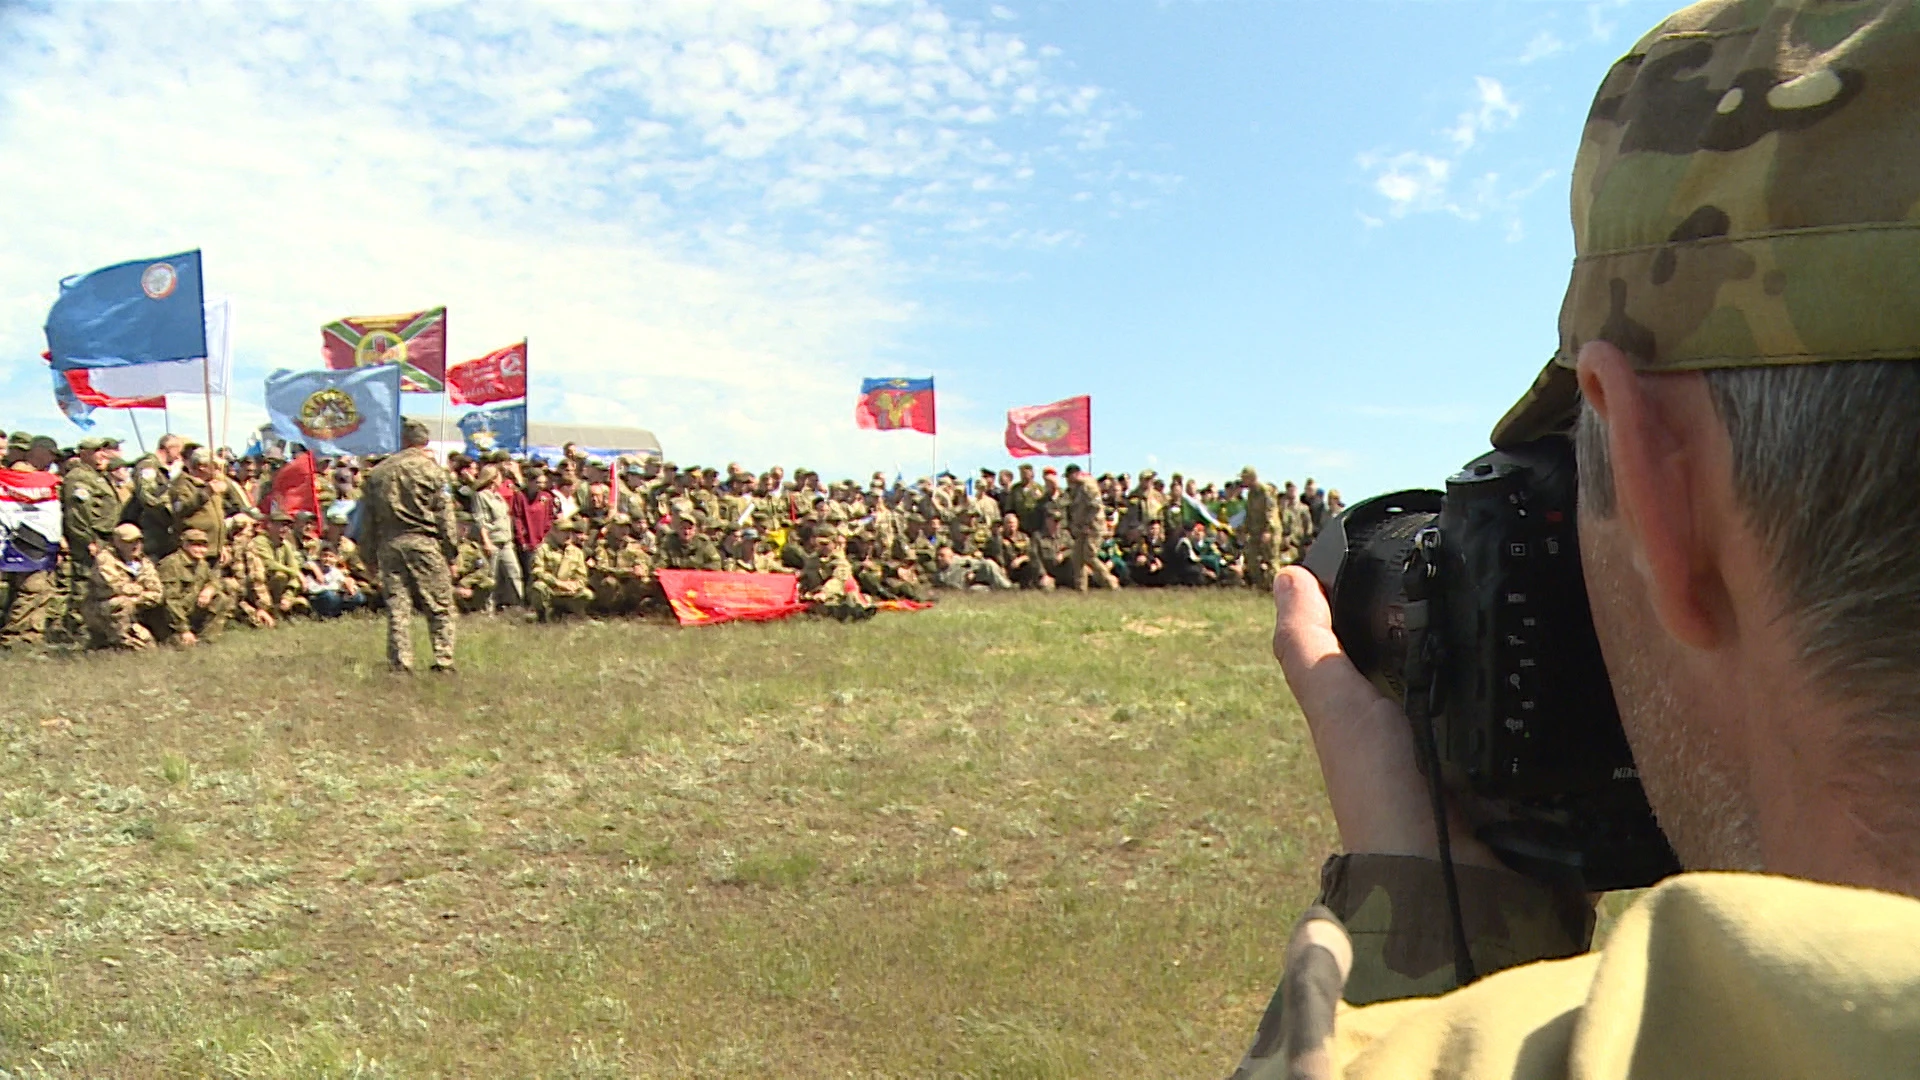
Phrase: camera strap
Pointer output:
(1424, 663)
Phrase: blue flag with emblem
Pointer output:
(504, 428)
(338, 412)
(143, 312)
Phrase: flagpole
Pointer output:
(166, 415)
(134, 415)
(446, 354)
(206, 392)
(226, 411)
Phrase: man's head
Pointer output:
(414, 433)
(195, 543)
(167, 450)
(97, 451)
(1737, 358)
(126, 541)
(1026, 474)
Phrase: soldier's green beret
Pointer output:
(1744, 196)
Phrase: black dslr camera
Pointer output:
(1470, 608)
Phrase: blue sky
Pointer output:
(1323, 239)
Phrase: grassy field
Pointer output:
(1010, 837)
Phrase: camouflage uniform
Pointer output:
(698, 553)
(148, 506)
(119, 595)
(281, 561)
(620, 574)
(409, 532)
(472, 570)
(560, 577)
(1260, 532)
(244, 580)
(89, 509)
(183, 578)
(1086, 520)
(1745, 195)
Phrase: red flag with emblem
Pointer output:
(706, 597)
(1062, 429)
(501, 375)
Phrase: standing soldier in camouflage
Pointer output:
(409, 533)
(1260, 531)
(202, 497)
(197, 607)
(89, 510)
(1087, 522)
(123, 590)
(148, 508)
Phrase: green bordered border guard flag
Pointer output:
(416, 341)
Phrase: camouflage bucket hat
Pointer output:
(1747, 193)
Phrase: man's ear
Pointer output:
(1659, 428)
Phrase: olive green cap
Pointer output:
(97, 442)
(1746, 194)
(193, 536)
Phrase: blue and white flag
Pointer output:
(502, 428)
(338, 412)
(142, 312)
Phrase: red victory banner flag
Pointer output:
(707, 597)
(893, 404)
(296, 487)
(1062, 429)
(417, 341)
(501, 375)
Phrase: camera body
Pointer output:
(1474, 602)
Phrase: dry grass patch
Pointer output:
(1011, 837)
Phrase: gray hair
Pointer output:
(1826, 468)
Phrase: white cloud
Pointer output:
(1544, 44)
(1492, 111)
(703, 214)
(1415, 181)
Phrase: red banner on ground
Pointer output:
(706, 597)
(1062, 429)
